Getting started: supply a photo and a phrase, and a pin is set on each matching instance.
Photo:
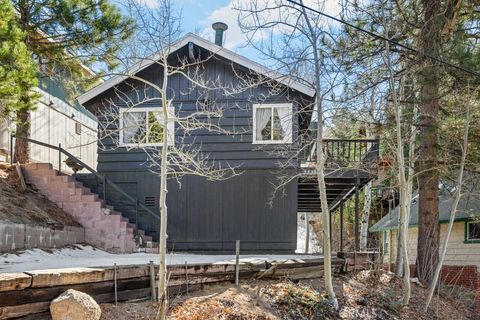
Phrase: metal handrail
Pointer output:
(86, 166)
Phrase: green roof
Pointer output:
(468, 208)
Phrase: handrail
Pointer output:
(86, 166)
(348, 150)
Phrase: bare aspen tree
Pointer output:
(367, 203)
(172, 157)
(404, 181)
(456, 200)
(300, 50)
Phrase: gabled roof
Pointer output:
(468, 208)
(207, 45)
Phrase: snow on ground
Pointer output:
(87, 256)
(314, 246)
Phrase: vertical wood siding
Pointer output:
(54, 125)
(206, 215)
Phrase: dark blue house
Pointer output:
(210, 215)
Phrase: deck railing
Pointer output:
(347, 153)
(102, 178)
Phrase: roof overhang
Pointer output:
(216, 51)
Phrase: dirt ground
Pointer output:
(365, 295)
(29, 206)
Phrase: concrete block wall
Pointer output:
(17, 236)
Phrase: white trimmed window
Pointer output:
(272, 123)
(142, 127)
(473, 231)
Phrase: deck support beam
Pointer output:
(357, 238)
(341, 227)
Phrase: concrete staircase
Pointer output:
(105, 228)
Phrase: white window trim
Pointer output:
(170, 126)
(287, 139)
(468, 233)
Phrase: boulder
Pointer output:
(74, 305)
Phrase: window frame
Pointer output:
(170, 126)
(467, 239)
(271, 106)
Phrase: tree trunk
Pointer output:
(162, 266)
(365, 217)
(428, 227)
(402, 182)
(22, 148)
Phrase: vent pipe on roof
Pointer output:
(219, 28)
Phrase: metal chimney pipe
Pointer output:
(219, 28)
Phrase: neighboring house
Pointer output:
(211, 215)
(462, 260)
(56, 120)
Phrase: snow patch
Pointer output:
(88, 256)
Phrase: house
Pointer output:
(462, 261)
(208, 215)
(56, 120)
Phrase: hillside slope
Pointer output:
(29, 207)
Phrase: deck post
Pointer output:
(357, 240)
(341, 227)
(330, 227)
(307, 233)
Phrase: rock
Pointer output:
(74, 305)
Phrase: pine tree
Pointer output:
(66, 36)
(18, 71)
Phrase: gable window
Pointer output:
(473, 231)
(143, 127)
(272, 123)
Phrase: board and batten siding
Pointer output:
(211, 215)
(458, 253)
(52, 122)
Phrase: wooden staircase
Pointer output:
(105, 228)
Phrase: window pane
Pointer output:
(278, 132)
(134, 127)
(263, 118)
(474, 231)
(155, 130)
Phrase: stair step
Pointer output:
(104, 227)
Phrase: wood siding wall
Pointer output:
(458, 253)
(205, 215)
(54, 125)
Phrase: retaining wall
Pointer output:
(18, 236)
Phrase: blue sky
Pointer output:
(198, 17)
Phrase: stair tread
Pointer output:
(68, 191)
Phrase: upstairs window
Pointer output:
(272, 123)
(143, 127)
(473, 231)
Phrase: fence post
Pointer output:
(60, 157)
(115, 281)
(237, 262)
(152, 282)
